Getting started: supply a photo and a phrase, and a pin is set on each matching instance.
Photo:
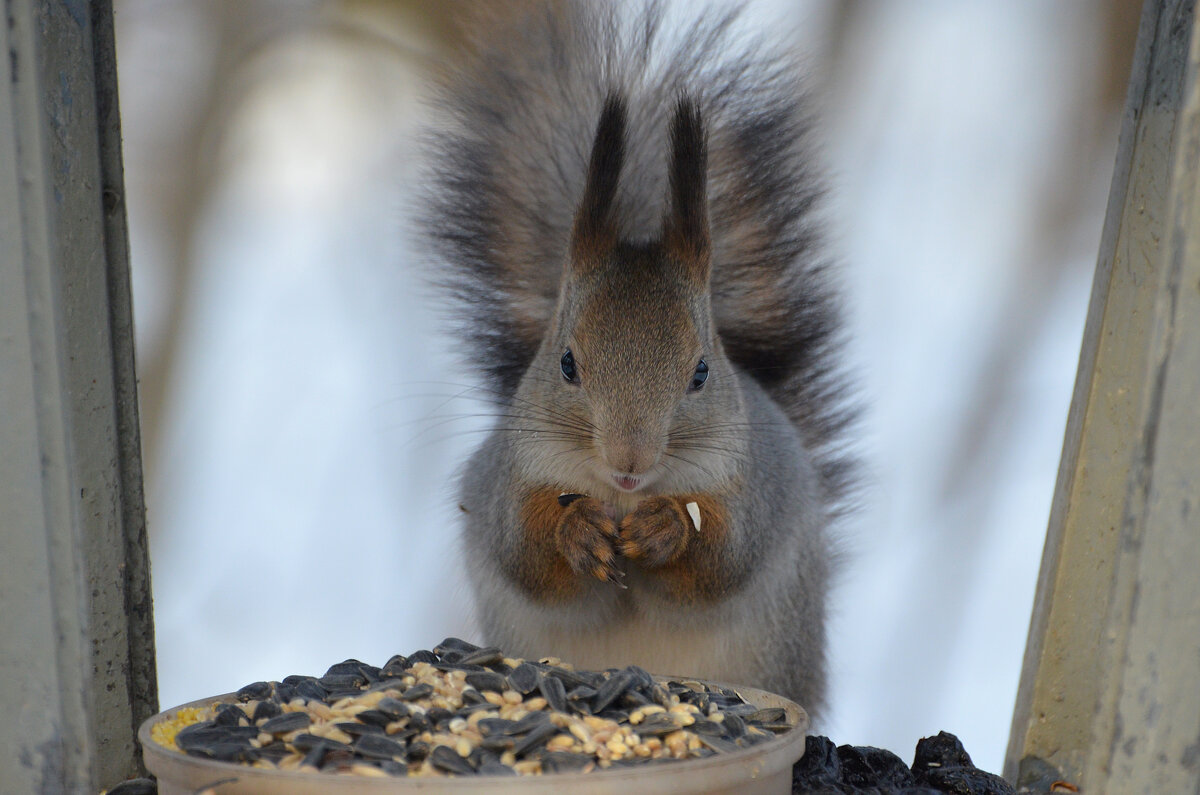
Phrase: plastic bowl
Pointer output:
(765, 768)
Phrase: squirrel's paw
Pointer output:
(656, 533)
(587, 538)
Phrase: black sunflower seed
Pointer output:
(487, 680)
(274, 752)
(458, 666)
(706, 727)
(554, 692)
(486, 656)
(768, 715)
(445, 759)
(439, 716)
(135, 786)
(332, 682)
(718, 744)
(471, 696)
(199, 735)
(255, 691)
(531, 721)
(479, 756)
(524, 679)
(454, 644)
(498, 742)
(613, 687)
(346, 667)
(659, 695)
(396, 666)
(418, 691)
(422, 655)
(657, 725)
(282, 694)
(496, 768)
(572, 678)
(535, 739)
(501, 727)
(393, 768)
(640, 677)
(287, 722)
(565, 762)
(306, 742)
(315, 755)
(632, 699)
(376, 746)
(581, 693)
(311, 689)
(265, 710)
(225, 752)
(376, 717)
(357, 729)
(230, 715)
(734, 726)
(393, 706)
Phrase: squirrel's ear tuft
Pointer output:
(685, 229)
(595, 227)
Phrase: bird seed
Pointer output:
(465, 710)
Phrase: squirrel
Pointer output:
(626, 221)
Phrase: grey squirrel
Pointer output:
(626, 219)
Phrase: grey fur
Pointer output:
(767, 431)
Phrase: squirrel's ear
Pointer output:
(595, 228)
(685, 229)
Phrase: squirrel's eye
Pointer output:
(567, 364)
(700, 376)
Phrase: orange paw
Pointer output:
(587, 538)
(657, 532)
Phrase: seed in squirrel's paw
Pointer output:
(566, 499)
(694, 511)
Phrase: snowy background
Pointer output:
(301, 420)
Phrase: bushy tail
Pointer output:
(510, 158)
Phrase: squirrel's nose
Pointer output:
(631, 447)
(631, 460)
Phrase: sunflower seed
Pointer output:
(374, 746)
(487, 681)
(287, 722)
(524, 678)
(255, 691)
(535, 739)
(445, 758)
(555, 693)
(439, 713)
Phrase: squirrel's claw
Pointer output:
(609, 574)
(586, 538)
